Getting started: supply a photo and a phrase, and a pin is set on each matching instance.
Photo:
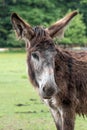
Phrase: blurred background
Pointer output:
(20, 105)
(44, 12)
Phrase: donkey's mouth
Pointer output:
(46, 97)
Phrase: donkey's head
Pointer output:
(41, 51)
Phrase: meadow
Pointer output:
(20, 105)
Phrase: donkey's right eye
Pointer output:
(35, 55)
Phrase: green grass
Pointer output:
(20, 105)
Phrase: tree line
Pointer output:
(44, 12)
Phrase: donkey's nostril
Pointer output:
(44, 89)
(49, 91)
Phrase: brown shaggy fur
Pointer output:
(70, 71)
(70, 77)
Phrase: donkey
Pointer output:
(59, 75)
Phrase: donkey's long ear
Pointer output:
(58, 28)
(23, 30)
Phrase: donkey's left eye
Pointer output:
(35, 55)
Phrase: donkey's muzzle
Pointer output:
(48, 92)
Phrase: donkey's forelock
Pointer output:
(41, 36)
(39, 31)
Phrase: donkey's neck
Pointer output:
(71, 69)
